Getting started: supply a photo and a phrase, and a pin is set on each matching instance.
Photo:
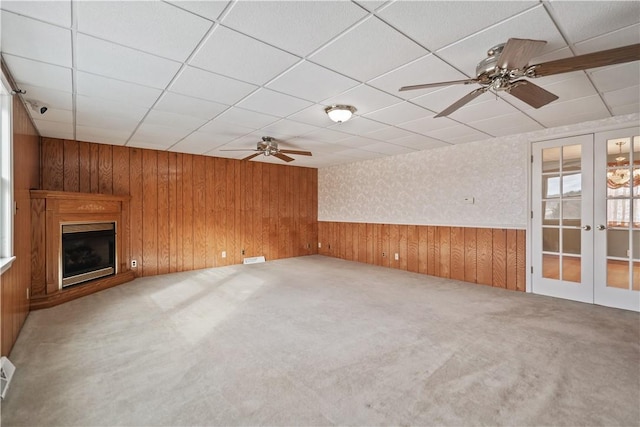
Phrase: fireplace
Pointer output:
(88, 252)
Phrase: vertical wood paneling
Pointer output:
(511, 260)
(135, 208)
(413, 240)
(521, 261)
(53, 164)
(105, 169)
(150, 212)
(444, 251)
(403, 234)
(71, 176)
(457, 270)
(499, 252)
(210, 208)
(121, 170)
(220, 204)
(274, 199)
(164, 257)
(179, 212)
(362, 242)
(431, 251)
(347, 242)
(370, 244)
(355, 238)
(187, 212)
(484, 248)
(470, 255)
(394, 245)
(266, 210)
(94, 168)
(172, 217)
(256, 215)
(84, 169)
(342, 240)
(236, 232)
(423, 249)
(199, 213)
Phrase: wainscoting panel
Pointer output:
(15, 282)
(186, 210)
(488, 256)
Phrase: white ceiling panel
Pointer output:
(56, 12)
(207, 9)
(458, 131)
(269, 102)
(429, 22)
(508, 124)
(616, 77)
(35, 40)
(102, 135)
(155, 27)
(39, 74)
(388, 149)
(622, 97)
(312, 115)
(53, 98)
(209, 86)
(87, 104)
(157, 135)
(327, 135)
(181, 104)
(96, 119)
(115, 90)
(390, 133)
(419, 142)
(358, 142)
(55, 129)
(123, 63)
(57, 115)
(232, 54)
(626, 109)
(581, 20)
(246, 118)
(299, 27)
(533, 24)
(399, 113)
(311, 82)
(486, 109)
(365, 98)
(440, 99)
(196, 143)
(358, 126)
(380, 49)
(287, 129)
(622, 37)
(223, 132)
(427, 125)
(564, 113)
(178, 121)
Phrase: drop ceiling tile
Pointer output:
(483, 110)
(54, 129)
(299, 27)
(53, 98)
(311, 82)
(196, 143)
(442, 98)
(313, 115)
(622, 37)
(533, 24)
(105, 121)
(327, 135)
(508, 124)
(148, 144)
(419, 142)
(115, 90)
(209, 86)
(224, 131)
(390, 133)
(570, 112)
(365, 98)
(371, 5)
(102, 135)
(122, 63)
(457, 131)
(269, 102)
(626, 109)
(621, 97)
(399, 113)
(358, 126)
(151, 26)
(56, 12)
(388, 149)
(160, 136)
(379, 49)
(39, 74)
(616, 77)
(178, 121)
(428, 69)
(232, 54)
(426, 125)
(207, 9)
(288, 129)
(357, 142)
(246, 118)
(427, 23)
(574, 86)
(354, 154)
(54, 115)
(581, 20)
(35, 40)
(187, 105)
(86, 104)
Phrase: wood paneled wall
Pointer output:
(494, 257)
(185, 209)
(15, 282)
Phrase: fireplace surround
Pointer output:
(60, 272)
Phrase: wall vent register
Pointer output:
(88, 252)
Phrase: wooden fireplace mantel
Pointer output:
(51, 209)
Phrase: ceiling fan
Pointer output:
(269, 147)
(507, 63)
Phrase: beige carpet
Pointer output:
(321, 341)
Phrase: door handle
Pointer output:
(586, 227)
(601, 227)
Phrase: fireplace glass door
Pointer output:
(88, 252)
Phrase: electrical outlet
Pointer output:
(224, 254)
(308, 245)
(397, 256)
(134, 263)
(329, 246)
(243, 252)
(384, 254)
(319, 244)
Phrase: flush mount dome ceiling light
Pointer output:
(340, 113)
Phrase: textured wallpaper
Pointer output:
(429, 187)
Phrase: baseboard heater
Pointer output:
(253, 260)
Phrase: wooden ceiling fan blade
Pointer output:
(251, 156)
(428, 85)
(531, 93)
(619, 55)
(284, 157)
(462, 101)
(298, 152)
(517, 53)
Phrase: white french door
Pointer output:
(586, 218)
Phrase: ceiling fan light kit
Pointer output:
(340, 113)
(269, 147)
(507, 65)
